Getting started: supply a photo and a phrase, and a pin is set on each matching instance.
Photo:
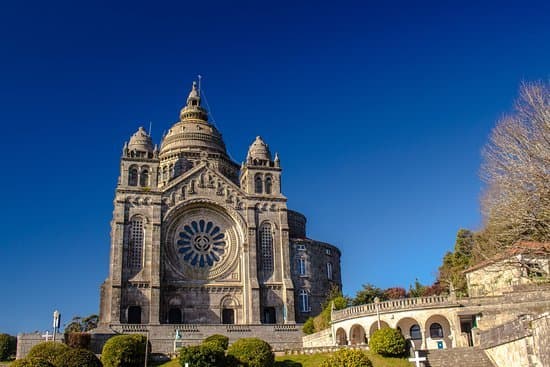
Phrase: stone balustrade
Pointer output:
(392, 305)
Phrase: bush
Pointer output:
(8, 344)
(78, 340)
(347, 358)
(309, 326)
(31, 362)
(78, 358)
(217, 339)
(48, 351)
(387, 342)
(124, 351)
(208, 354)
(251, 352)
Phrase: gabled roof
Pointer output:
(519, 248)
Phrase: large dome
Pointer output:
(193, 131)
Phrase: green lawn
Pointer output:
(314, 360)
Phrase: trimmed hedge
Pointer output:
(8, 345)
(78, 358)
(221, 340)
(250, 352)
(31, 362)
(347, 358)
(124, 351)
(208, 354)
(78, 340)
(48, 351)
(387, 342)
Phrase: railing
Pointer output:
(392, 305)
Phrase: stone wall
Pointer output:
(26, 341)
(321, 339)
(522, 342)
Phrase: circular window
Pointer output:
(201, 243)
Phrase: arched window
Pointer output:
(174, 316)
(301, 266)
(329, 271)
(133, 176)
(266, 248)
(415, 332)
(164, 173)
(134, 315)
(144, 177)
(258, 184)
(268, 185)
(135, 248)
(436, 331)
(303, 296)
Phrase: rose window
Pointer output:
(201, 243)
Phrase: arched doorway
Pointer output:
(269, 315)
(374, 326)
(228, 316)
(134, 315)
(341, 337)
(357, 335)
(174, 316)
(411, 331)
(438, 332)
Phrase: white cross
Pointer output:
(417, 359)
(47, 336)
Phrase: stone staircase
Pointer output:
(457, 357)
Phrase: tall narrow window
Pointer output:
(329, 271)
(415, 332)
(258, 185)
(135, 248)
(268, 185)
(133, 177)
(303, 296)
(144, 177)
(164, 173)
(266, 247)
(301, 265)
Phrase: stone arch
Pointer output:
(437, 328)
(408, 324)
(357, 335)
(228, 307)
(374, 326)
(341, 337)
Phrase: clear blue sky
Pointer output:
(378, 112)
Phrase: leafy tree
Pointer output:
(418, 289)
(124, 351)
(368, 294)
(516, 200)
(48, 351)
(251, 352)
(8, 344)
(395, 293)
(387, 342)
(454, 263)
(80, 324)
(221, 340)
(309, 326)
(208, 354)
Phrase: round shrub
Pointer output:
(251, 352)
(124, 351)
(48, 351)
(309, 326)
(8, 345)
(78, 358)
(221, 340)
(347, 358)
(31, 362)
(78, 340)
(208, 354)
(387, 342)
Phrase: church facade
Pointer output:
(199, 239)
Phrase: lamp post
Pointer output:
(377, 305)
(56, 322)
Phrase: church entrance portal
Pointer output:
(134, 315)
(228, 316)
(174, 316)
(269, 315)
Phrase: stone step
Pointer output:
(457, 357)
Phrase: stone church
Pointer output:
(198, 239)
